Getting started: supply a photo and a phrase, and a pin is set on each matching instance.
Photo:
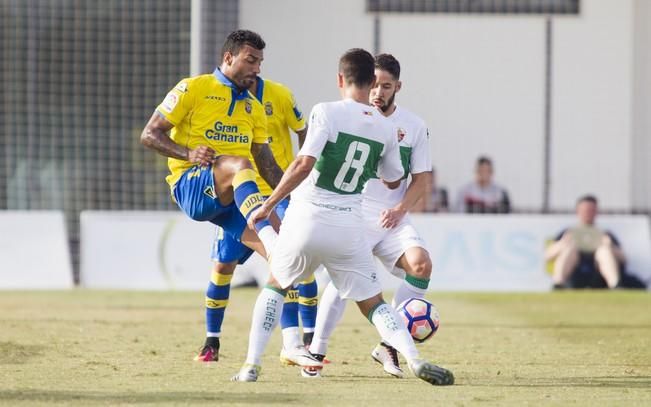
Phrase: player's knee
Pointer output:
(224, 268)
(275, 285)
(603, 252)
(241, 163)
(420, 267)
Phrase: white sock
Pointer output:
(268, 237)
(291, 338)
(405, 292)
(266, 314)
(393, 331)
(331, 309)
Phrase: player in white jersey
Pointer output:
(347, 143)
(389, 231)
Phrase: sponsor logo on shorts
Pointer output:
(210, 191)
(194, 173)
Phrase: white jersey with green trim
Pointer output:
(413, 139)
(352, 143)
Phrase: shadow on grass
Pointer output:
(62, 396)
(17, 353)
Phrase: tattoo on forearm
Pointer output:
(264, 160)
(158, 140)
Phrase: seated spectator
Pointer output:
(435, 199)
(483, 195)
(584, 255)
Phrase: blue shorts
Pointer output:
(195, 194)
(226, 249)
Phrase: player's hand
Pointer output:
(390, 218)
(201, 155)
(263, 212)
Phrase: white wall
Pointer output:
(304, 41)
(641, 180)
(592, 104)
(479, 83)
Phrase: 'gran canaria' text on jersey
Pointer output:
(227, 133)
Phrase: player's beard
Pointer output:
(388, 104)
(247, 82)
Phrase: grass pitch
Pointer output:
(106, 348)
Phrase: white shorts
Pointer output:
(304, 245)
(389, 244)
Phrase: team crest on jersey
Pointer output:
(247, 106)
(268, 108)
(401, 134)
(368, 113)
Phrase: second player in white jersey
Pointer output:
(390, 242)
(389, 232)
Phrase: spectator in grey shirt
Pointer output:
(483, 195)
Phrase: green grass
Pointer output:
(107, 348)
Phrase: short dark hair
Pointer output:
(239, 38)
(358, 67)
(587, 198)
(388, 63)
(484, 160)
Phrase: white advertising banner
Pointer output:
(505, 252)
(34, 251)
(166, 250)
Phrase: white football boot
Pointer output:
(248, 373)
(299, 356)
(387, 356)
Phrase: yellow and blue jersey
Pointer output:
(282, 115)
(210, 110)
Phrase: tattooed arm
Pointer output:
(155, 136)
(266, 163)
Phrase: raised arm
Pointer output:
(266, 164)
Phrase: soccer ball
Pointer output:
(421, 318)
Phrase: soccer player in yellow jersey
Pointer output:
(282, 114)
(215, 124)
